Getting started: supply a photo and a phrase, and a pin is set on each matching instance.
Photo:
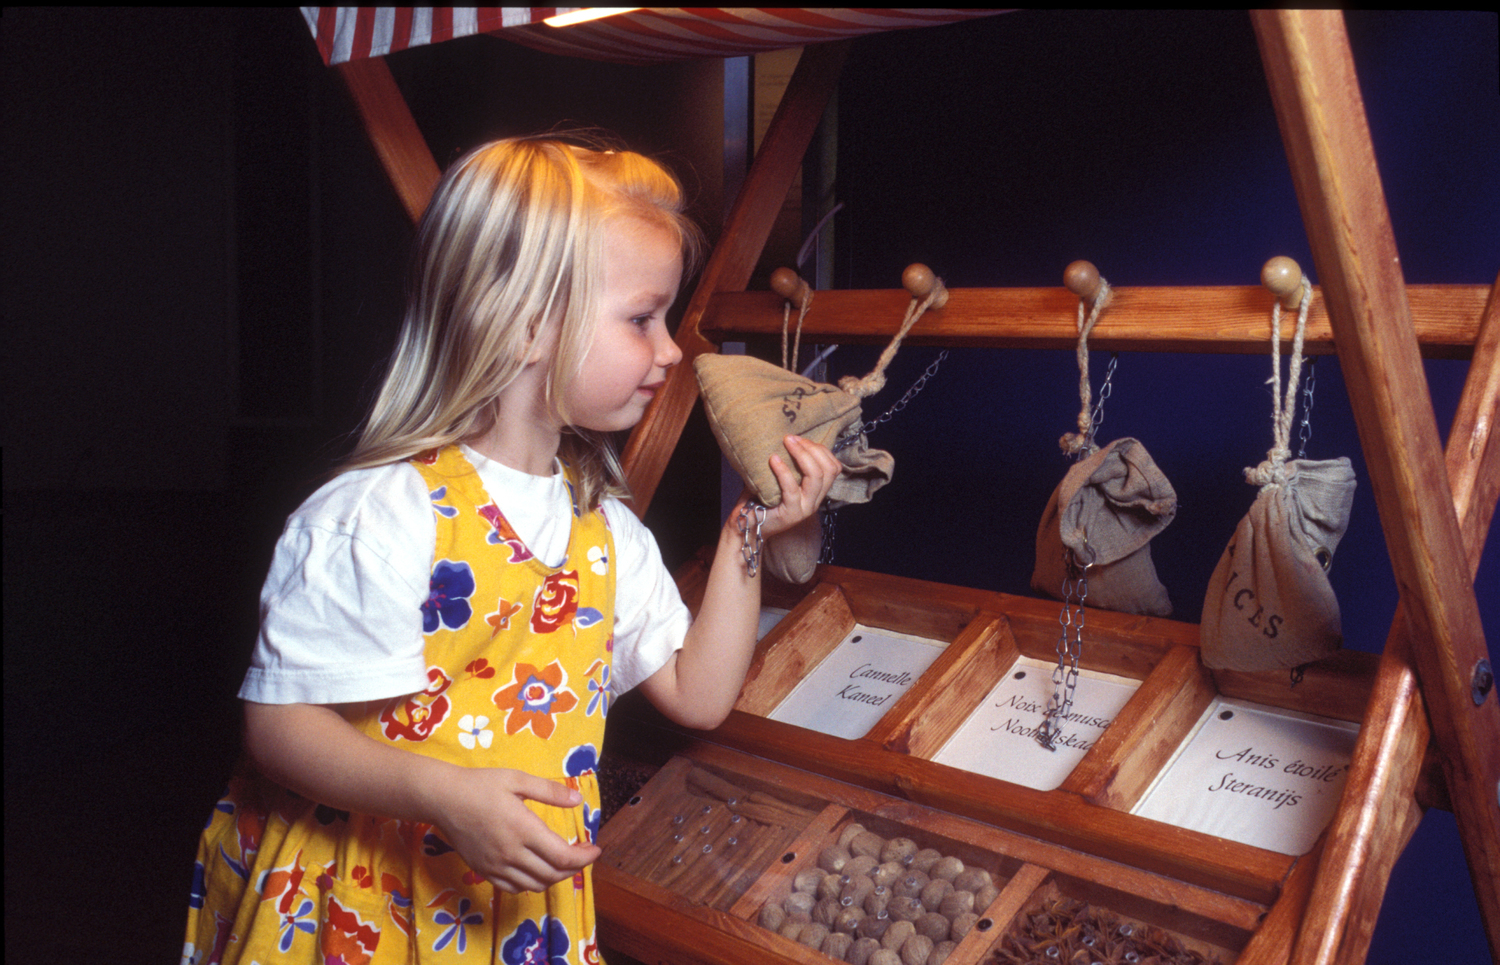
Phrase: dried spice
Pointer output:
(1064, 930)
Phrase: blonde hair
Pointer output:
(512, 243)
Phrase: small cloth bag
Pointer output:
(1105, 512)
(1102, 516)
(1269, 604)
(752, 405)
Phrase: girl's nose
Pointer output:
(668, 353)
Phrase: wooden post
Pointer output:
(1316, 93)
(733, 259)
(393, 132)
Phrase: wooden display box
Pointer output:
(709, 910)
(982, 635)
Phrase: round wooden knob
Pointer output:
(1283, 277)
(789, 285)
(1082, 279)
(918, 279)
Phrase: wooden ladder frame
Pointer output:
(1435, 509)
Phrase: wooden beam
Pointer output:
(1322, 119)
(393, 132)
(1207, 319)
(733, 259)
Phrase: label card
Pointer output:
(858, 682)
(999, 738)
(1258, 775)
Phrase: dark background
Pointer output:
(202, 273)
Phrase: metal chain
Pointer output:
(829, 518)
(1075, 592)
(868, 427)
(1097, 416)
(752, 553)
(1304, 431)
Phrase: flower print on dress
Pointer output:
(448, 595)
(458, 924)
(534, 698)
(504, 535)
(588, 951)
(504, 610)
(438, 506)
(599, 695)
(556, 601)
(537, 943)
(347, 939)
(399, 903)
(471, 731)
(599, 560)
(294, 921)
(416, 717)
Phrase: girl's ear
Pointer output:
(541, 343)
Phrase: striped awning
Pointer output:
(645, 36)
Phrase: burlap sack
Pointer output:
(792, 556)
(752, 405)
(1269, 603)
(1105, 511)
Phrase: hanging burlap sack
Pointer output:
(752, 405)
(1105, 512)
(1269, 603)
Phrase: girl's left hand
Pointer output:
(819, 467)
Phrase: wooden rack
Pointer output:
(1240, 902)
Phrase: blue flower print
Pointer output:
(537, 943)
(294, 922)
(448, 596)
(581, 760)
(439, 494)
(598, 689)
(199, 889)
(457, 927)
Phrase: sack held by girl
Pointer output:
(445, 623)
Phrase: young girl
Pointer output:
(444, 623)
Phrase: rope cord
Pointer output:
(1082, 441)
(1272, 472)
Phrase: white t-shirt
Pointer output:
(340, 612)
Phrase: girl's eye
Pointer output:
(641, 321)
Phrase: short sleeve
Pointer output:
(341, 606)
(651, 621)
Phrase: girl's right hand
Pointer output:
(486, 820)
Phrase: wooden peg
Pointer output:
(1283, 277)
(789, 285)
(1082, 279)
(921, 282)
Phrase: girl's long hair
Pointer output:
(511, 245)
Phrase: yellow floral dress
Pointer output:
(518, 660)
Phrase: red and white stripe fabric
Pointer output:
(645, 36)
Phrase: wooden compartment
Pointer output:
(989, 636)
(715, 914)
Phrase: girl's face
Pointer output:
(627, 363)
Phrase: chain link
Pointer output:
(1097, 416)
(751, 553)
(866, 428)
(1304, 431)
(1075, 593)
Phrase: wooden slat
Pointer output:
(1321, 114)
(399, 145)
(1388, 758)
(1143, 736)
(1212, 319)
(733, 259)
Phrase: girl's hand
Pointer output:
(820, 469)
(486, 822)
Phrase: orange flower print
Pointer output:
(535, 698)
(556, 602)
(500, 619)
(347, 938)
